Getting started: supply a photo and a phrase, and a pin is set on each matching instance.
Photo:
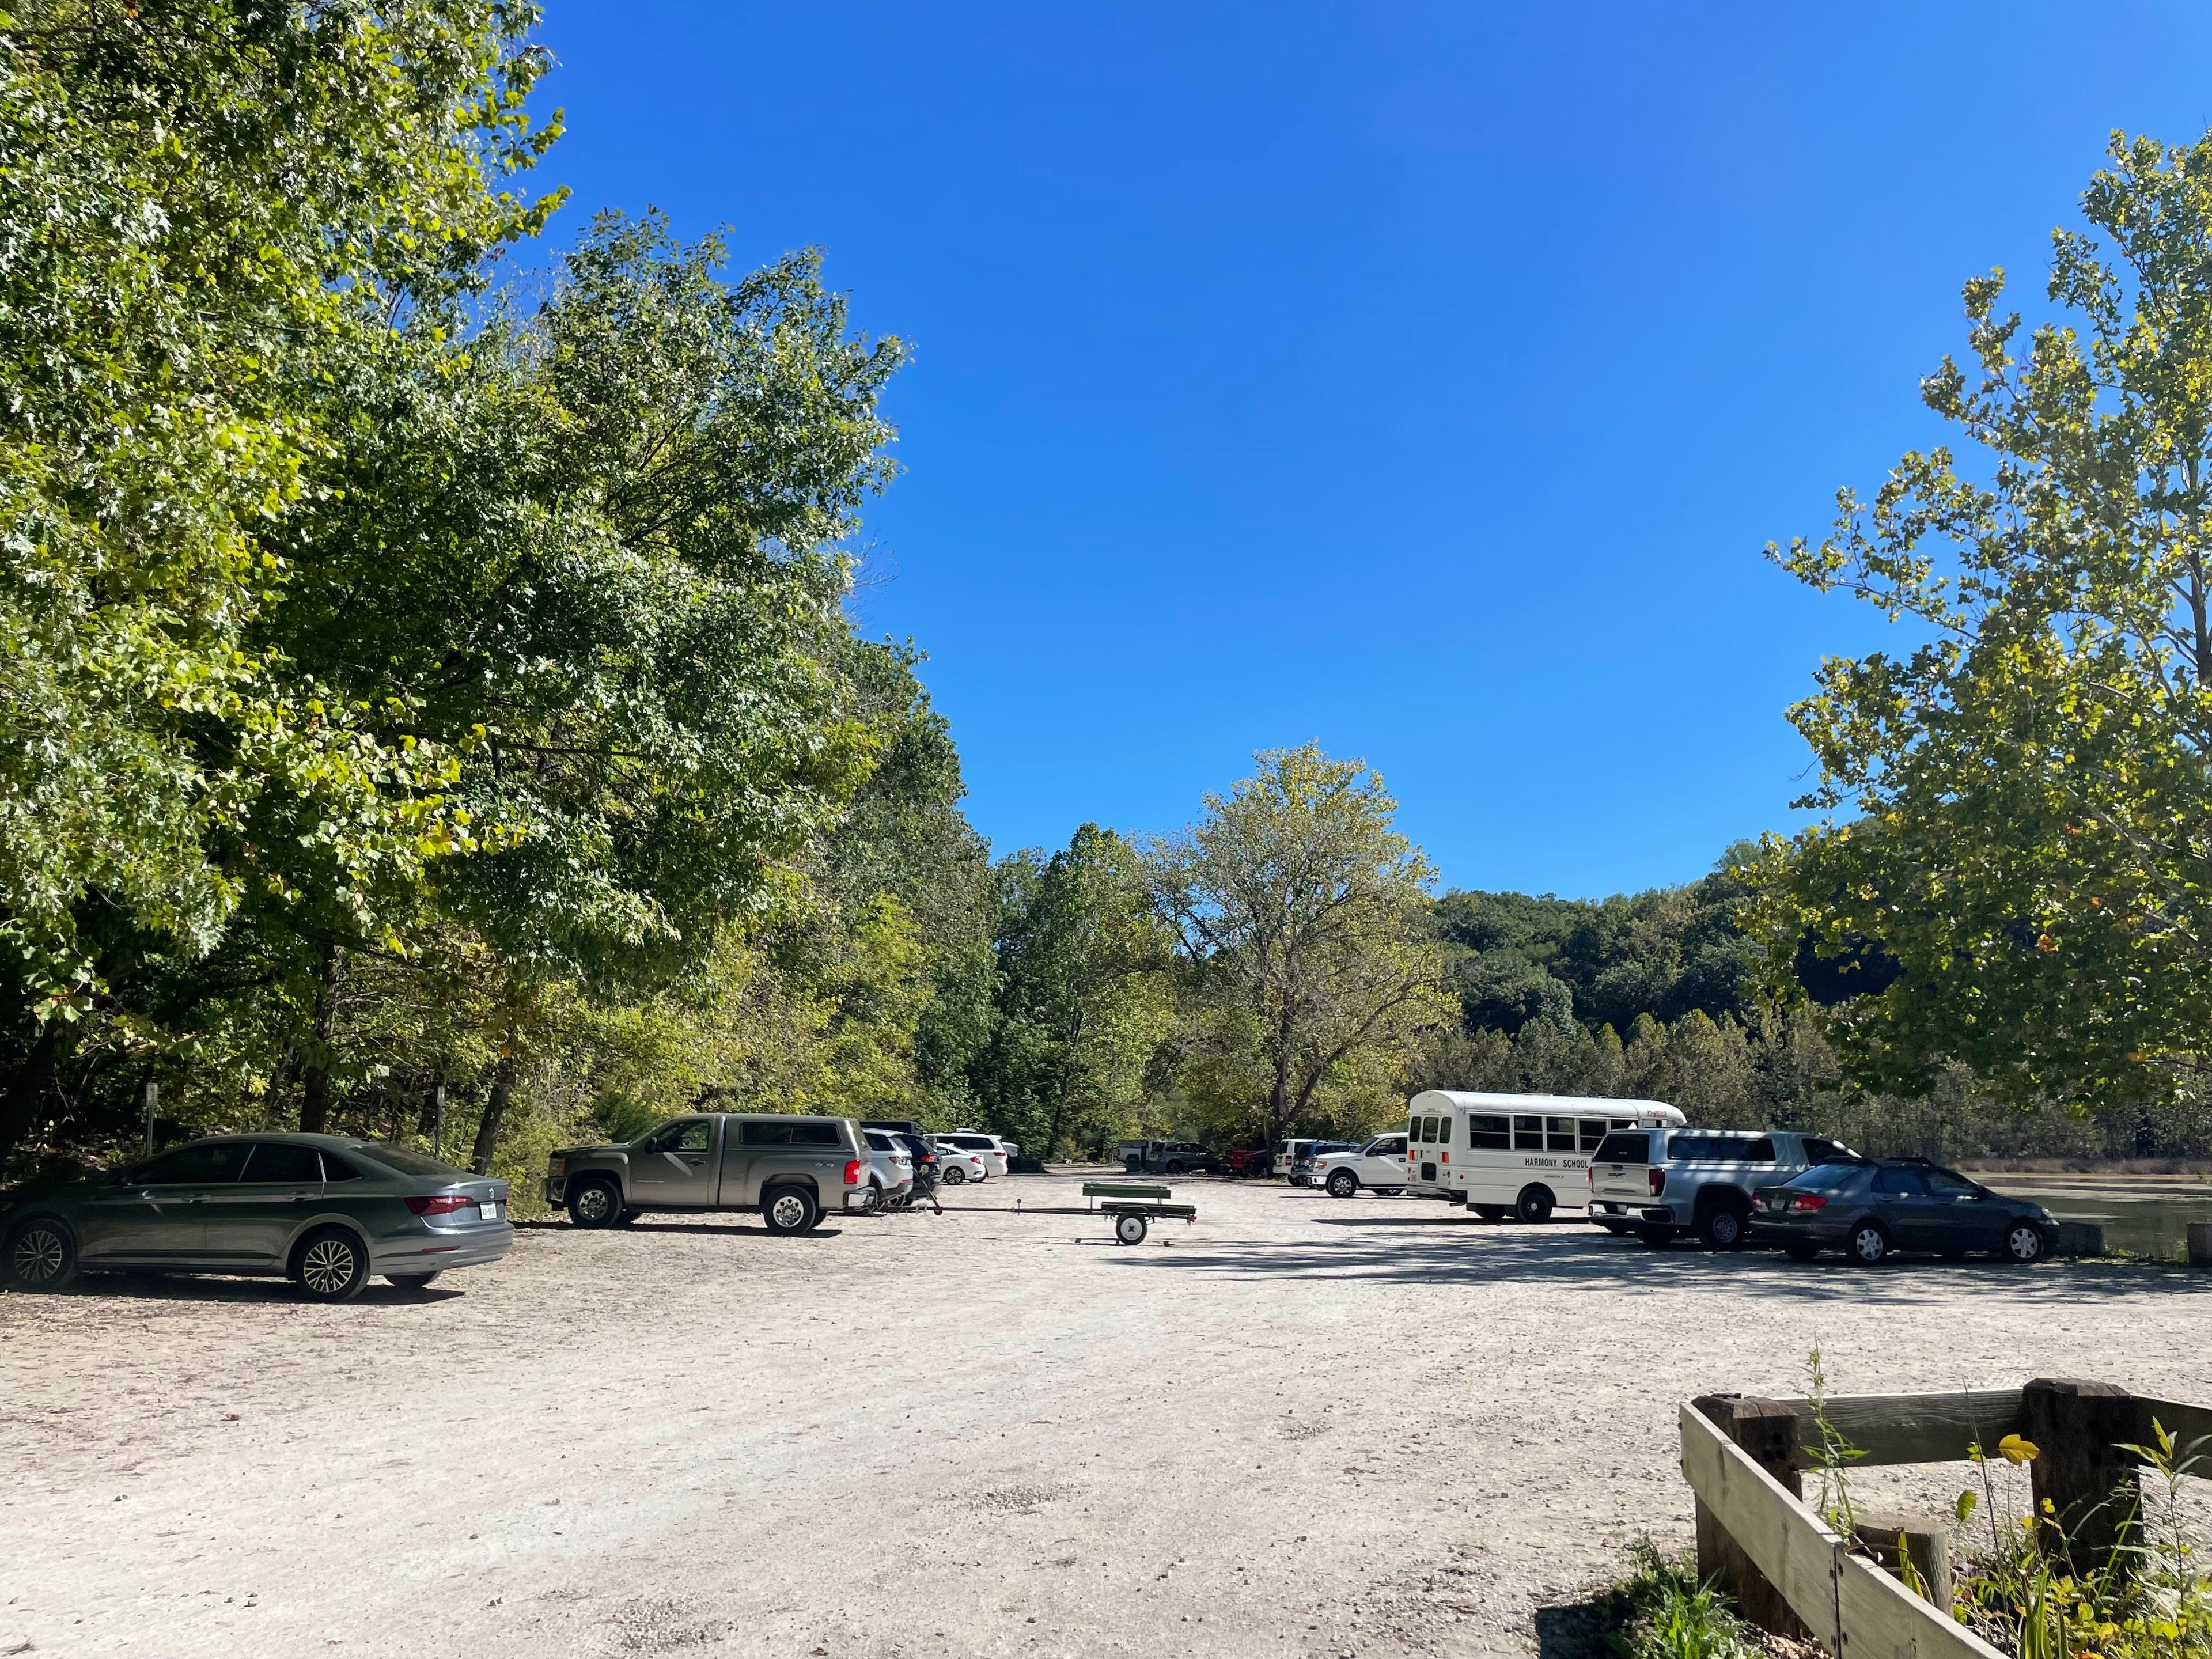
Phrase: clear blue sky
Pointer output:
(1422, 378)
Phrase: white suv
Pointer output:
(984, 1147)
(1381, 1163)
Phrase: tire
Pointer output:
(1534, 1204)
(1175, 1166)
(789, 1210)
(875, 1200)
(330, 1264)
(1493, 1212)
(1616, 1229)
(41, 1255)
(1342, 1183)
(1869, 1245)
(956, 1175)
(1801, 1252)
(1133, 1166)
(1129, 1229)
(1721, 1227)
(413, 1283)
(1656, 1238)
(2025, 1244)
(595, 1203)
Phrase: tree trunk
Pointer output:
(315, 1097)
(502, 1085)
(33, 1082)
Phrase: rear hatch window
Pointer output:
(1623, 1147)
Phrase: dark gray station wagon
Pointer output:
(326, 1212)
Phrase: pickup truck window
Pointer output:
(1623, 1147)
(1757, 1151)
(1817, 1150)
(689, 1134)
(793, 1133)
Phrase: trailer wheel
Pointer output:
(1129, 1229)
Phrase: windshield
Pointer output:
(1825, 1177)
(412, 1163)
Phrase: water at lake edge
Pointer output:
(2148, 1215)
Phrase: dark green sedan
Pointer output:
(324, 1211)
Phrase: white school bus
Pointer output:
(1514, 1155)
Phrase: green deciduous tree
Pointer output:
(1309, 961)
(2020, 807)
(1085, 995)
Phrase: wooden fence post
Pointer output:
(2077, 1428)
(1927, 1549)
(1767, 1432)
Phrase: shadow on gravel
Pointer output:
(187, 1287)
(1416, 1251)
(1580, 1630)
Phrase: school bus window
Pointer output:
(1561, 1138)
(1529, 1135)
(1489, 1134)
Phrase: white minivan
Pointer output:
(1522, 1156)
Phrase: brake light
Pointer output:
(444, 1204)
(1808, 1201)
(851, 1172)
(1658, 1183)
(1590, 1178)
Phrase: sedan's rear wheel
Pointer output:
(1869, 1244)
(1534, 1204)
(1801, 1252)
(1342, 1183)
(594, 1203)
(789, 1210)
(41, 1256)
(956, 1175)
(873, 1201)
(410, 1283)
(330, 1265)
(2024, 1243)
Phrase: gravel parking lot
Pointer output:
(1298, 1426)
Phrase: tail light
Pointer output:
(1805, 1203)
(444, 1204)
(851, 1172)
(1590, 1178)
(1658, 1183)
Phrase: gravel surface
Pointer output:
(1300, 1427)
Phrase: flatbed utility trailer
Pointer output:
(1132, 1207)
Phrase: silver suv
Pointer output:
(792, 1170)
(1659, 1182)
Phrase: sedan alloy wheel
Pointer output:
(2024, 1243)
(42, 1257)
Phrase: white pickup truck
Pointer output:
(1379, 1165)
(1659, 1182)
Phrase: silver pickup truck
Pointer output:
(790, 1169)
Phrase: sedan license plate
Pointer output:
(490, 1210)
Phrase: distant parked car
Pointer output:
(1868, 1208)
(1381, 1164)
(1301, 1171)
(890, 1167)
(1289, 1153)
(985, 1147)
(1660, 1182)
(956, 1166)
(1247, 1161)
(793, 1169)
(325, 1211)
(1166, 1158)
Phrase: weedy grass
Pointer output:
(1663, 1610)
(2025, 1592)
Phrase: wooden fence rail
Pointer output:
(1793, 1574)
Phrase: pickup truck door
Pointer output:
(673, 1168)
(1384, 1163)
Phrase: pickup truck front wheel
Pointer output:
(788, 1210)
(594, 1203)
